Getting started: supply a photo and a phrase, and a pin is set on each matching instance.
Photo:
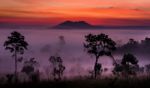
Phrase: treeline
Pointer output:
(17, 45)
(96, 45)
(133, 46)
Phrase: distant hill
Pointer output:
(66, 25)
(85, 25)
(73, 25)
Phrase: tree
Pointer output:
(147, 67)
(131, 46)
(118, 69)
(98, 68)
(58, 67)
(16, 44)
(99, 45)
(9, 78)
(145, 46)
(29, 68)
(129, 65)
(129, 59)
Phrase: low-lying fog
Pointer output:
(69, 45)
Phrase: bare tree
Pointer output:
(58, 67)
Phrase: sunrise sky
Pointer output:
(97, 12)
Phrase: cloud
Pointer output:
(25, 11)
(76, 9)
(84, 3)
(30, 1)
(28, 13)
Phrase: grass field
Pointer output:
(85, 83)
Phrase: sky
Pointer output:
(96, 12)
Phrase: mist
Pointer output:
(68, 44)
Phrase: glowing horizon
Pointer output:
(92, 11)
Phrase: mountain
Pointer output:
(74, 25)
(66, 25)
(85, 25)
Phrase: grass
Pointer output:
(85, 83)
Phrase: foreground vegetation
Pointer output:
(124, 73)
(86, 83)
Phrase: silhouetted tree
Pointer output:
(58, 67)
(35, 77)
(147, 67)
(130, 46)
(145, 46)
(99, 45)
(118, 69)
(98, 68)
(9, 78)
(145, 42)
(129, 65)
(16, 44)
(132, 42)
(133, 46)
(29, 67)
(129, 59)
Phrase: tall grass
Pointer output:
(85, 83)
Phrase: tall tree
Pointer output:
(16, 44)
(99, 45)
(58, 67)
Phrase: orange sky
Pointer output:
(102, 12)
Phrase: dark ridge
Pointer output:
(73, 25)
(67, 25)
(85, 25)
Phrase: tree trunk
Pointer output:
(95, 73)
(59, 76)
(16, 75)
(114, 61)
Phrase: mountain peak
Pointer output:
(73, 24)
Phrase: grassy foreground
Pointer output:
(85, 83)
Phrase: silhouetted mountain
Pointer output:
(74, 25)
(85, 25)
(65, 25)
